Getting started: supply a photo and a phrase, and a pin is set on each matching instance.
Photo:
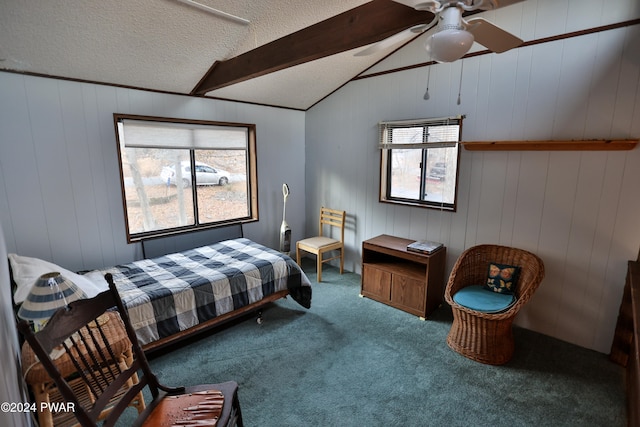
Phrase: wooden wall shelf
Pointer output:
(574, 145)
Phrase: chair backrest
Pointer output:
(332, 218)
(98, 371)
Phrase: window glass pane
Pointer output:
(164, 163)
(152, 202)
(425, 175)
(405, 164)
(221, 177)
(405, 173)
(440, 176)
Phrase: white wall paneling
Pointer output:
(13, 388)
(60, 196)
(60, 192)
(578, 210)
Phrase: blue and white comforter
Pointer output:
(172, 293)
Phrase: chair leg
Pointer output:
(298, 254)
(319, 266)
(239, 422)
(341, 260)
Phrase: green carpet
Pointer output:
(351, 361)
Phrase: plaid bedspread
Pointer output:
(169, 294)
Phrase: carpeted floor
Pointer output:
(351, 361)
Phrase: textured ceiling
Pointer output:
(167, 45)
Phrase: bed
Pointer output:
(174, 296)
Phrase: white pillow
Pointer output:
(26, 271)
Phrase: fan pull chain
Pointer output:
(426, 94)
(460, 87)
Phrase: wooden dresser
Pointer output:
(410, 281)
(625, 349)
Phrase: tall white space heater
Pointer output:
(285, 230)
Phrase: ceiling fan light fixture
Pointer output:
(449, 45)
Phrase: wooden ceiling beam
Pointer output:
(370, 23)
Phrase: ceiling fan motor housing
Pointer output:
(454, 36)
(452, 41)
(451, 19)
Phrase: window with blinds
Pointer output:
(419, 162)
(179, 175)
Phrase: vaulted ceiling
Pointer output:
(173, 46)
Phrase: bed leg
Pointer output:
(259, 317)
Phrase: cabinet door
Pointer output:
(376, 283)
(409, 294)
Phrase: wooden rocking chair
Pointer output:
(99, 385)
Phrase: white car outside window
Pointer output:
(205, 175)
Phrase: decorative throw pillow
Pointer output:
(502, 278)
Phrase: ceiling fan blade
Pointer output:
(396, 38)
(373, 21)
(420, 4)
(475, 4)
(495, 4)
(491, 36)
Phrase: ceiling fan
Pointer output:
(455, 35)
(376, 23)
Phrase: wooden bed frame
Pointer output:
(166, 245)
(201, 328)
(177, 243)
(164, 343)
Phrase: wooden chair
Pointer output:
(324, 242)
(81, 330)
(488, 337)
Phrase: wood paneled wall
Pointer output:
(577, 210)
(60, 194)
(60, 191)
(13, 388)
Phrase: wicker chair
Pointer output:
(485, 337)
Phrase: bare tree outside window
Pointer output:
(179, 175)
(419, 162)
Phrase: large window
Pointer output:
(419, 162)
(180, 175)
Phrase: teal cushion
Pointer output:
(477, 297)
(502, 278)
